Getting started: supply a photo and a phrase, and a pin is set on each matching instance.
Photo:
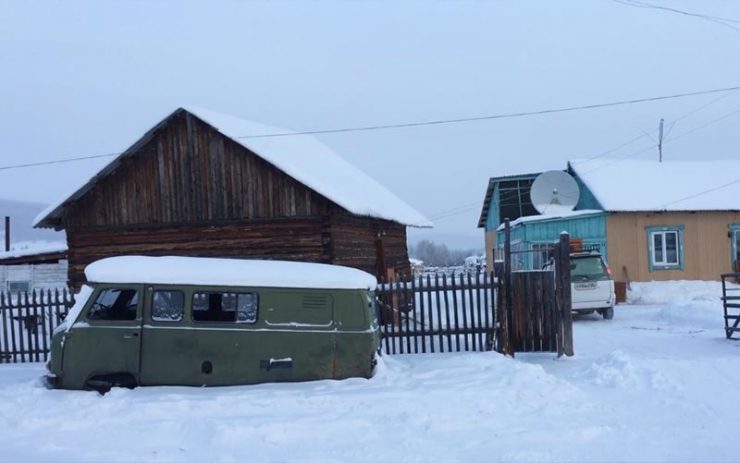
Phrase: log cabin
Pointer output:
(202, 183)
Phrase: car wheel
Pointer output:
(608, 313)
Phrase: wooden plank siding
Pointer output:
(707, 246)
(189, 190)
(201, 177)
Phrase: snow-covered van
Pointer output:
(212, 322)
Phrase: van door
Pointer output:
(299, 343)
(168, 345)
(104, 342)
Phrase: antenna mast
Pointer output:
(660, 140)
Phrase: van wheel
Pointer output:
(104, 383)
(608, 313)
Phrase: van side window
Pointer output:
(168, 306)
(225, 307)
(115, 304)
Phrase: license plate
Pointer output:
(591, 285)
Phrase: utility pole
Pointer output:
(660, 140)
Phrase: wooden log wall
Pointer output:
(286, 239)
(185, 189)
(353, 242)
(189, 173)
(337, 239)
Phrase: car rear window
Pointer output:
(587, 268)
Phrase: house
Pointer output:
(32, 266)
(201, 183)
(677, 220)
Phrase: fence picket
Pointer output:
(431, 313)
(28, 321)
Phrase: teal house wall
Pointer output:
(586, 199)
(531, 234)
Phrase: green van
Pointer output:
(214, 322)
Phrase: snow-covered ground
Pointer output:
(657, 383)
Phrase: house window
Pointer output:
(735, 237)
(19, 286)
(665, 248)
(225, 307)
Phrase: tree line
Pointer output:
(439, 255)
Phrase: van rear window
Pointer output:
(225, 307)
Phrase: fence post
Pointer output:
(562, 273)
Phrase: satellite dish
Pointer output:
(554, 192)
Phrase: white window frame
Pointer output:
(664, 262)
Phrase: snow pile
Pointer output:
(613, 370)
(636, 390)
(695, 304)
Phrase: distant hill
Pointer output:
(22, 215)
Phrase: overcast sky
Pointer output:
(86, 78)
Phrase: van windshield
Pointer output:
(587, 269)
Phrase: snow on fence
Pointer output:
(438, 313)
(27, 320)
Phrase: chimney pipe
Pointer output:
(7, 233)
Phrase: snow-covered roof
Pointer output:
(33, 248)
(637, 185)
(561, 214)
(226, 272)
(302, 157)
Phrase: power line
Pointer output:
(715, 19)
(451, 213)
(58, 161)
(493, 116)
(673, 124)
(713, 121)
(703, 192)
(423, 123)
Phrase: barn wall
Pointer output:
(188, 190)
(189, 173)
(287, 239)
(338, 239)
(354, 243)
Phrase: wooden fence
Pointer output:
(438, 313)
(27, 321)
(731, 303)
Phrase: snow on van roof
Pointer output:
(226, 272)
(301, 156)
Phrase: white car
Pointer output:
(591, 284)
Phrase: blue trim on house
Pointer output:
(586, 199)
(662, 228)
(734, 228)
(492, 215)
